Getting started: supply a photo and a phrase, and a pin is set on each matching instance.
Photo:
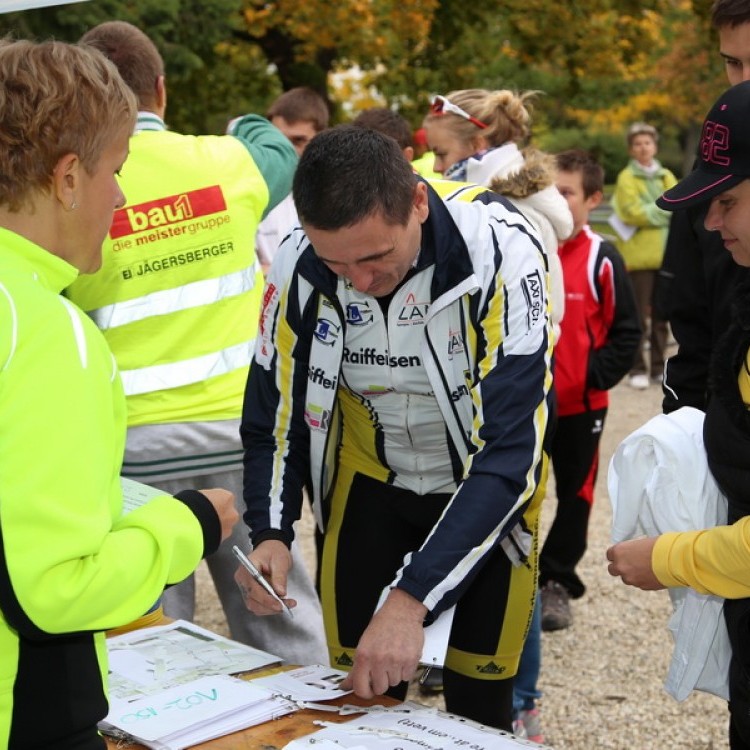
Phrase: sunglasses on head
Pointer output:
(439, 105)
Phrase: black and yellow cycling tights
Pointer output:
(371, 527)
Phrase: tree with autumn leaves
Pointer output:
(599, 63)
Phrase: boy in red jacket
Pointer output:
(599, 337)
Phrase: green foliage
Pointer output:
(609, 149)
(210, 78)
(600, 63)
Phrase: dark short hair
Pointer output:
(728, 13)
(133, 54)
(386, 121)
(578, 160)
(347, 174)
(301, 104)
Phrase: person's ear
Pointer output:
(421, 201)
(160, 92)
(594, 199)
(479, 143)
(409, 153)
(66, 177)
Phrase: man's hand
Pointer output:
(631, 561)
(389, 649)
(223, 502)
(273, 560)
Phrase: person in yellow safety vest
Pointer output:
(178, 299)
(73, 561)
(423, 160)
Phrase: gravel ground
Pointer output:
(602, 678)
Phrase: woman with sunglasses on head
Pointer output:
(476, 136)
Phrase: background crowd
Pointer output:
(400, 378)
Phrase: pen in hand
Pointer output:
(256, 574)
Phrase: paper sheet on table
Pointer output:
(419, 727)
(311, 683)
(195, 712)
(149, 660)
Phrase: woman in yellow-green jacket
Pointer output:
(72, 565)
(642, 230)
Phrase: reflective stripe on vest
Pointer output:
(187, 371)
(180, 298)
(177, 325)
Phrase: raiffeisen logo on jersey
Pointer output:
(162, 212)
(413, 313)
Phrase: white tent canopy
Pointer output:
(8, 6)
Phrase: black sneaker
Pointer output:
(556, 614)
(431, 681)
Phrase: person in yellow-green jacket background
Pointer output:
(642, 230)
(178, 298)
(72, 564)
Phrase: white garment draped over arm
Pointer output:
(659, 481)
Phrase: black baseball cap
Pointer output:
(723, 152)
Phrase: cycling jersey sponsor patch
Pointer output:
(326, 331)
(318, 376)
(532, 287)
(359, 313)
(412, 312)
(370, 356)
(317, 418)
(455, 344)
(270, 298)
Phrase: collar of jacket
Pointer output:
(639, 171)
(51, 271)
(148, 121)
(442, 245)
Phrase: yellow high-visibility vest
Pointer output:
(179, 290)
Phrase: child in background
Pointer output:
(600, 334)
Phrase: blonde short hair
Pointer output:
(55, 99)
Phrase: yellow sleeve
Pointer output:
(711, 561)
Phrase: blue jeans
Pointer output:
(525, 691)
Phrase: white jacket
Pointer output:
(546, 209)
(659, 481)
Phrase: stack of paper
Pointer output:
(194, 712)
(170, 686)
(147, 661)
